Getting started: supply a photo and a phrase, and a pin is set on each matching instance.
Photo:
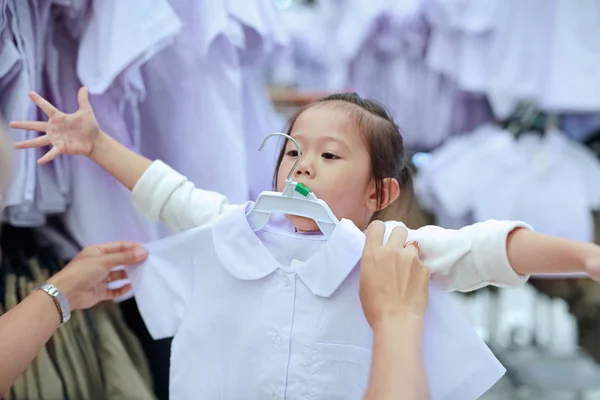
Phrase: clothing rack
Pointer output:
(93, 356)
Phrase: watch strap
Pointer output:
(61, 301)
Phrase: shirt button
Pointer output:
(278, 338)
(285, 279)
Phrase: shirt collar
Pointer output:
(244, 255)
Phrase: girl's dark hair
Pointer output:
(384, 143)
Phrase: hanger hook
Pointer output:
(287, 137)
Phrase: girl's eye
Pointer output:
(329, 156)
(292, 153)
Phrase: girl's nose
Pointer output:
(304, 167)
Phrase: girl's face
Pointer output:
(335, 165)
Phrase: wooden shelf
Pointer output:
(293, 98)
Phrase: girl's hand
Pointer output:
(394, 284)
(75, 133)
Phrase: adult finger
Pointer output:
(112, 294)
(83, 98)
(115, 247)
(38, 126)
(107, 248)
(397, 237)
(42, 103)
(49, 156)
(39, 141)
(413, 247)
(116, 275)
(375, 233)
(129, 257)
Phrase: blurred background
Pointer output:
(498, 102)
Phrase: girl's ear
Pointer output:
(389, 192)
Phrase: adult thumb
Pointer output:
(593, 270)
(83, 98)
(127, 257)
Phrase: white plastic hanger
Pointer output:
(296, 199)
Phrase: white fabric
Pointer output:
(463, 260)
(440, 187)
(312, 63)
(510, 50)
(460, 35)
(517, 59)
(275, 314)
(260, 119)
(110, 68)
(192, 116)
(98, 58)
(17, 52)
(103, 52)
(262, 39)
(573, 82)
(388, 47)
(546, 181)
(105, 60)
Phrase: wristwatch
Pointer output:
(61, 301)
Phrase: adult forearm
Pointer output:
(531, 253)
(397, 367)
(23, 331)
(124, 165)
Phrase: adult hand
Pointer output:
(74, 133)
(393, 281)
(83, 281)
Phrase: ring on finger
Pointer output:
(415, 244)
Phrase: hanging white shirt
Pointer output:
(194, 100)
(573, 60)
(437, 186)
(463, 260)
(275, 314)
(541, 176)
(529, 179)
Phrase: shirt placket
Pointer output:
(282, 332)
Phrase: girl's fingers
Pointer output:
(33, 143)
(44, 104)
(38, 126)
(49, 156)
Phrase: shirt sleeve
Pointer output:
(469, 258)
(164, 194)
(163, 285)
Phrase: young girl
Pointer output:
(353, 159)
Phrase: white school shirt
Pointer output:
(535, 180)
(465, 259)
(256, 30)
(517, 68)
(17, 56)
(573, 61)
(194, 100)
(114, 93)
(436, 186)
(277, 315)
(529, 179)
